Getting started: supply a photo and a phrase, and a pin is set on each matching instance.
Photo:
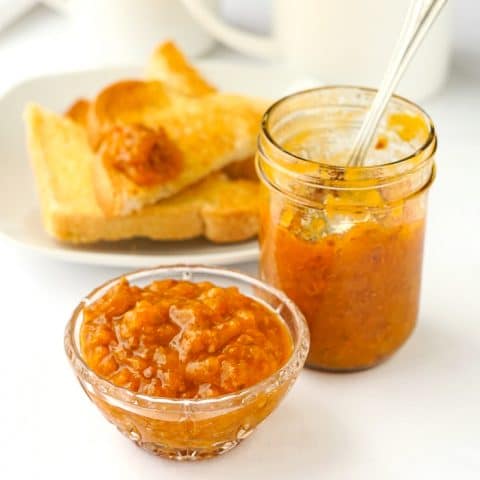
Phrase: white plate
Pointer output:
(19, 209)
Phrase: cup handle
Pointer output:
(248, 43)
(60, 6)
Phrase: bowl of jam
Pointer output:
(186, 361)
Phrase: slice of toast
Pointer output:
(78, 112)
(126, 102)
(169, 65)
(220, 209)
(208, 132)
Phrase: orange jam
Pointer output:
(181, 339)
(146, 156)
(345, 243)
(358, 290)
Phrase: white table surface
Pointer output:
(415, 417)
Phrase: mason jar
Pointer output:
(346, 243)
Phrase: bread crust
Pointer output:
(78, 111)
(169, 65)
(218, 208)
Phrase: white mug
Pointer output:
(126, 31)
(340, 41)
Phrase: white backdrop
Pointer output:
(24, 45)
(254, 14)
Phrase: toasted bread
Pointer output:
(210, 132)
(127, 102)
(218, 208)
(78, 111)
(133, 101)
(170, 66)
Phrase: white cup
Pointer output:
(126, 31)
(340, 41)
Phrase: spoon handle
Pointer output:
(420, 17)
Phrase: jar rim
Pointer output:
(430, 141)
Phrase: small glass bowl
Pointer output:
(192, 429)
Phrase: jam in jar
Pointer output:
(346, 243)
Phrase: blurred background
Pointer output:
(36, 38)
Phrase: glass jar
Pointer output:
(345, 243)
